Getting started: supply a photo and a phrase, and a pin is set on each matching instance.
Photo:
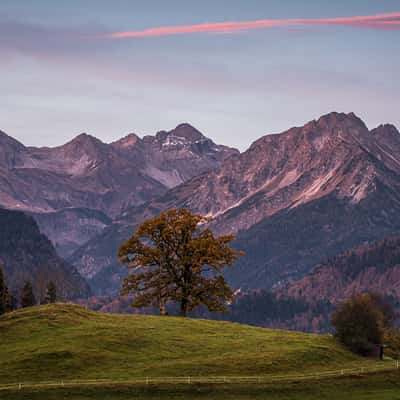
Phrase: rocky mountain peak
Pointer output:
(332, 169)
(344, 126)
(6, 140)
(188, 132)
(386, 128)
(86, 173)
(126, 142)
(314, 135)
(82, 146)
(340, 118)
(389, 136)
(183, 133)
(11, 151)
(85, 140)
(335, 154)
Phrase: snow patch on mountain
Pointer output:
(174, 141)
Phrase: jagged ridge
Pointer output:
(335, 157)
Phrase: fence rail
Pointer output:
(229, 379)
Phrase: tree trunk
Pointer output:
(184, 306)
(163, 308)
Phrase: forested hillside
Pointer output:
(27, 255)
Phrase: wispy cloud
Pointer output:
(390, 21)
(22, 37)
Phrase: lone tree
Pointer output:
(392, 341)
(51, 293)
(361, 322)
(174, 258)
(27, 298)
(10, 301)
(3, 293)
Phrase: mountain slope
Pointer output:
(368, 267)
(288, 244)
(374, 267)
(26, 254)
(86, 173)
(334, 164)
(70, 227)
(335, 154)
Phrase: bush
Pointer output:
(392, 341)
(360, 322)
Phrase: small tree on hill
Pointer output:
(10, 301)
(51, 293)
(27, 298)
(392, 341)
(3, 293)
(174, 259)
(360, 322)
(6, 299)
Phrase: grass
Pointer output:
(66, 342)
(371, 387)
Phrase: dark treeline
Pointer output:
(25, 297)
(260, 308)
(263, 307)
(28, 255)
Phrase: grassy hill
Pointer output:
(67, 342)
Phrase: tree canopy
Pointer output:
(2, 293)
(174, 257)
(361, 321)
(7, 301)
(27, 298)
(51, 293)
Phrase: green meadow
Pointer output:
(138, 356)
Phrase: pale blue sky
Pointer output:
(57, 81)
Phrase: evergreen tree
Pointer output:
(51, 293)
(12, 302)
(27, 298)
(2, 293)
(9, 301)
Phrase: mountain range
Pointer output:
(75, 190)
(294, 199)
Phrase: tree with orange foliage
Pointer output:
(174, 257)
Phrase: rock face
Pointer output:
(334, 167)
(70, 227)
(335, 154)
(26, 254)
(89, 174)
(293, 198)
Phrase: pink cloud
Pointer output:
(389, 21)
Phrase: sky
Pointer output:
(234, 69)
